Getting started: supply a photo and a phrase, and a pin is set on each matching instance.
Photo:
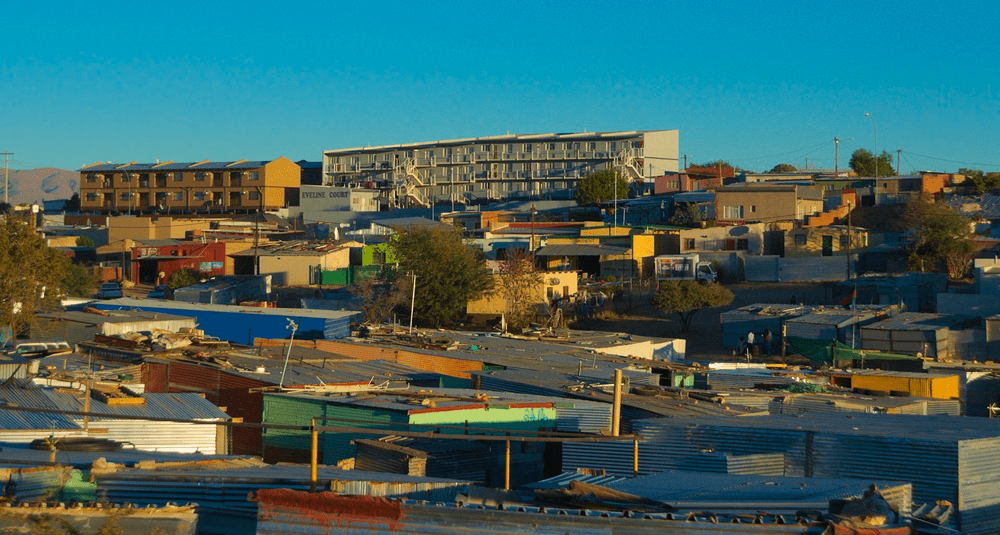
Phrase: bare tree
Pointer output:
(519, 286)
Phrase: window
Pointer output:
(178, 195)
(552, 146)
(91, 178)
(753, 208)
(569, 146)
(800, 239)
(510, 147)
(843, 242)
(614, 146)
(200, 195)
(254, 175)
(125, 195)
(732, 212)
(92, 197)
(688, 244)
(742, 244)
(199, 177)
(528, 147)
(253, 195)
(593, 146)
(178, 177)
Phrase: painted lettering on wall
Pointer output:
(325, 194)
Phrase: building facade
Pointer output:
(738, 205)
(205, 187)
(515, 166)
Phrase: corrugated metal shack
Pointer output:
(389, 411)
(236, 380)
(758, 317)
(911, 333)
(945, 458)
(224, 490)
(878, 382)
(20, 426)
(917, 292)
(480, 462)
(77, 326)
(243, 324)
(282, 511)
(837, 323)
(808, 403)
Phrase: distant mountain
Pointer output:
(37, 185)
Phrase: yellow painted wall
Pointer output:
(927, 387)
(495, 304)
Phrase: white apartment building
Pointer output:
(515, 166)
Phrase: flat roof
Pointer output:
(496, 139)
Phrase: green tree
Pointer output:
(783, 168)
(449, 273)
(31, 275)
(519, 284)
(941, 236)
(863, 163)
(79, 281)
(605, 185)
(73, 204)
(687, 297)
(982, 182)
(686, 215)
(84, 241)
(183, 277)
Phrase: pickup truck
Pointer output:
(109, 290)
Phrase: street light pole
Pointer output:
(875, 131)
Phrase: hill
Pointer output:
(43, 184)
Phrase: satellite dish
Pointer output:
(554, 280)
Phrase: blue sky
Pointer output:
(755, 83)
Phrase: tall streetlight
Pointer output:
(875, 131)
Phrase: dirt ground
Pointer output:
(704, 341)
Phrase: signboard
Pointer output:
(209, 266)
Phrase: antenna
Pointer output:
(291, 341)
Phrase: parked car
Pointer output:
(109, 290)
(161, 291)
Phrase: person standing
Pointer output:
(767, 342)
(750, 342)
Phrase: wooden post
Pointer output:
(635, 458)
(616, 414)
(314, 455)
(506, 478)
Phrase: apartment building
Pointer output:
(515, 166)
(137, 188)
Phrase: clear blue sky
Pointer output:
(755, 83)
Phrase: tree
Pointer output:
(31, 275)
(783, 168)
(84, 241)
(686, 215)
(518, 284)
(449, 273)
(381, 298)
(687, 297)
(183, 277)
(605, 185)
(981, 181)
(942, 235)
(863, 163)
(73, 204)
(79, 281)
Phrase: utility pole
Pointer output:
(899, 153)
(848, 240)
(5, 175)
(836, 157)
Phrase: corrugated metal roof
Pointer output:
(562, 480)
(172, 166)
(918, 321)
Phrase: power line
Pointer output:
(953, 161)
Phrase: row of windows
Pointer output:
(176, 177)
(176, 195)
(509, 148)
(736, 212)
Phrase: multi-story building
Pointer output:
(188, 187)
(476, 170)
